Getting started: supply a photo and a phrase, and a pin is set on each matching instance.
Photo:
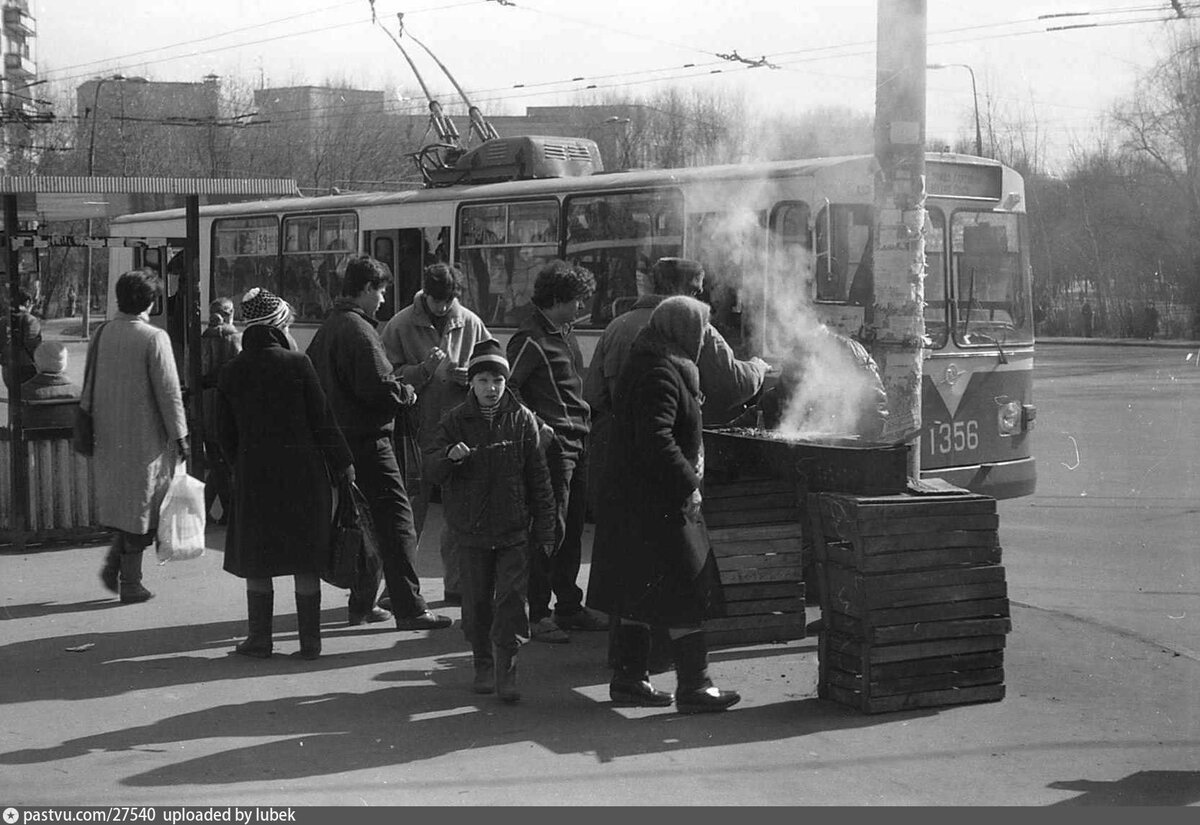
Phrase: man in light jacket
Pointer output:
(429, 344)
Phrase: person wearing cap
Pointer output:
(277, 432)
(496, 493)
(652, 562)
(51, 383)
(18, 365)
(133, 395)
(429, 344)
(219, 344)
(366, 397)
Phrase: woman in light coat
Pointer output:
(133, 395)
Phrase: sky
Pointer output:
(507, 54)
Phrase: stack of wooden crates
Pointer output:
(754, 525)
(913, 600)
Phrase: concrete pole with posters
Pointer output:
(895, 327)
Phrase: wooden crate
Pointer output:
(754, 526)
(913, 600)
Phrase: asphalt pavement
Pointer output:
(108, 704)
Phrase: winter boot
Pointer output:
(110, 572)
(630, 684)
(308, 621)
(485, 669)
(130, 586)
(506, 676)
(260, 609)
(694, 692)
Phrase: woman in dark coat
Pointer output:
(652, 564)
(277, 433)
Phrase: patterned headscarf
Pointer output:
(262, 307)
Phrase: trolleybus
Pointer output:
(759, 229)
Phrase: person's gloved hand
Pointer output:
(545, 436)
(185, 449)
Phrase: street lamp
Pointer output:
(974, 97)
(624, 123)
(91, 163)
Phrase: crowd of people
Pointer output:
(504, 437)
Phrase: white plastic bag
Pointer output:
(181, 519)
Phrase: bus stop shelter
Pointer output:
(38, 201)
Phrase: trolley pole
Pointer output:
(895, 325)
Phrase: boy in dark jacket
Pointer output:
(495, 485)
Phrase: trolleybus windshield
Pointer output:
(989, 262)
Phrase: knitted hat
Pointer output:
(681, 321)
(488, 356)
(260, 306)
(50, 356)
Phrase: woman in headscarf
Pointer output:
(277, 433)
(652, 563)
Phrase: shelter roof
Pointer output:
(68, 198)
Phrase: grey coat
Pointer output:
(138, 412)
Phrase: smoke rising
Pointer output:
(825, 388)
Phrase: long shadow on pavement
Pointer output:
(331, 733)
(123, 661)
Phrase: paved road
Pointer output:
(133, 705)
(1111, 534)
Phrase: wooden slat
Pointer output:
(766, 590)
(838, 507)
(845, 554)
(756, 548)
(939, 612)
(873, 654)
(760, 532)
(764, 607)
(870, 545)
(918, 631)
(938, 664)
(850, 530)
(791, 572)
(762, 560)
(915, 701)
(753, 635)
(747, 488)
(856, 604)
(742, 622)
(761, 501)
(752, 517)
(914, 684)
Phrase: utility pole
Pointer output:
(895, 325)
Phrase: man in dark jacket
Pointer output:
(19, 366)
(547, 369)
(365, 397)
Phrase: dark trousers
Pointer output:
(495, 582)
(568, 479)
(217, 483)
(378, 476)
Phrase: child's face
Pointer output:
(488, 387)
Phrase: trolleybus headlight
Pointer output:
(1010, 418)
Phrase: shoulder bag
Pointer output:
(85, 434)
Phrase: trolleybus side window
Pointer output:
(731, 246)
(501, 247)
(316, 249)
(245, 253)
(988, 265)
(936, 327)
(618, 237)
(843, 254)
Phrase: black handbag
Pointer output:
(85, 429)
(352, 545)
